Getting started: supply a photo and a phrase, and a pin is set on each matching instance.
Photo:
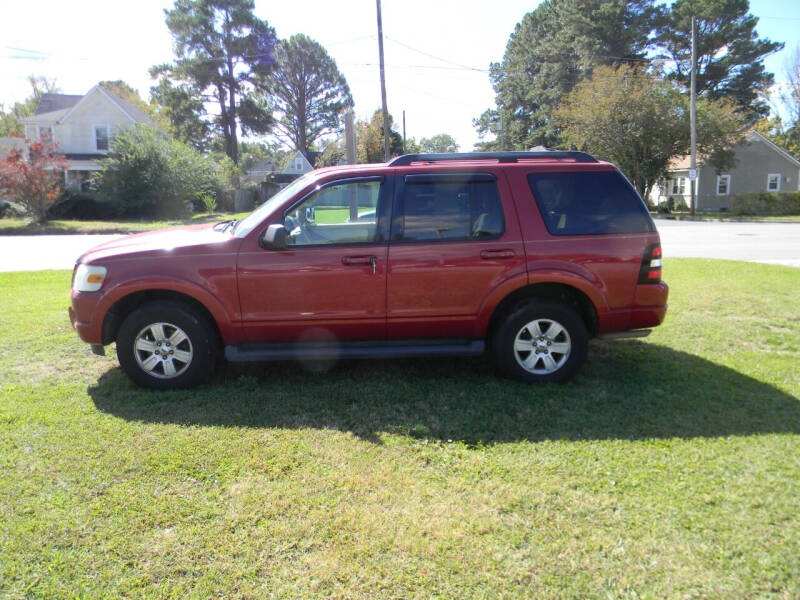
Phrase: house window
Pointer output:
(723, 185)
(101, 137)
(45, 132)
(298, 164)
(679, 186)
(774, 182)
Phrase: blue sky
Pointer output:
(437, 51)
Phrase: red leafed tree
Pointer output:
(33, 177)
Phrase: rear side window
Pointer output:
(448, 207)
(589, 203)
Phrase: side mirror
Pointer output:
(276, 237)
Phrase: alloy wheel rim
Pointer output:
(163, 350)
(542, 346)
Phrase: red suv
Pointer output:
(524, 254)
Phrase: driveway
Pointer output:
(37, 252)
(774, 243)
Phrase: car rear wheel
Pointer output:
(166, 345)
(541, 341)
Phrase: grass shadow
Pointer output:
(627, 390)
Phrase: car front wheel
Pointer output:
(166, 345)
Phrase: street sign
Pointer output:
(692, 174)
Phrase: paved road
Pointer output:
(776, 243)
(36, 252)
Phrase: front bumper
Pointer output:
(80, 316)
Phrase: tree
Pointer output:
(122, 90)
(787, 137)
(369, 139)
(441, 142)
(10, 120)
(730, 55)
(553, 48)
(150, 175)
(640, 122)
(308, 92)
(181, 110)
(33, 177)
(223, 52)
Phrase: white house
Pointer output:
(83, 127)
(297, 165)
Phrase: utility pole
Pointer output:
(350, 137)
(404, 131)
(693, 122)
(383, 87)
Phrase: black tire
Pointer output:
(545, 361)
(199, 345)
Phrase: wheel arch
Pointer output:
(125, 305)
(559, 292)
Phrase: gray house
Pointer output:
(761, 166)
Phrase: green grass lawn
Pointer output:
(669, 468)
(16, 226)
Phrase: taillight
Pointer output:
(651, 265)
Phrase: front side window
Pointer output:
(774, 182)
(598, 202)
(345, 213)
(448, 208)
(723, 185)
(101, 137)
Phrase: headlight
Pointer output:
(88, 278)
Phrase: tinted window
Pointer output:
(589, 203)
(449, 208)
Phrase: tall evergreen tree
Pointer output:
(223, 51)
(730, 55)
(550, 51)
(309, 93)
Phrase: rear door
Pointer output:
(454, 238)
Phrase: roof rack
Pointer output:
(502, 157)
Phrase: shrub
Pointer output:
(209, 202)
(152, 176)
(32, 177)
(766, 204)
(83, 207)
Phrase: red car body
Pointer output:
(378, 291)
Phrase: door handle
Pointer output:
(495, 254)
(368, 259)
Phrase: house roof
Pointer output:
(52, 102)
(757, 135)
(262, 166)
(681, 163)
(58, 107)
(132, 109)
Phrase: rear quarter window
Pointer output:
(599, 202)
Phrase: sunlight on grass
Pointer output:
(670, 467)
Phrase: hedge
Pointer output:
(766, 203)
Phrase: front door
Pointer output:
(330, 283)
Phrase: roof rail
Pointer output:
(503, 157)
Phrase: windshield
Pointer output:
(247, 224)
